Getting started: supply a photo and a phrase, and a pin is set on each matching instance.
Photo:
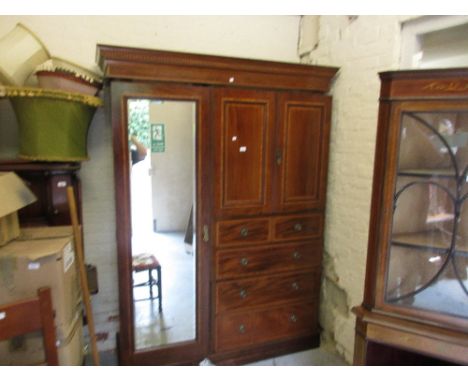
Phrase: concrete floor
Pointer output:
(314, 357)
(176, 322)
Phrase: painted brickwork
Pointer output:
(361, 47)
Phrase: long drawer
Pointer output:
(234, 330)
(267, 260)
(251, 292)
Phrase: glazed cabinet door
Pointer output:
(244, 127)
(426, 264)
(301, 154)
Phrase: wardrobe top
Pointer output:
(125, 63)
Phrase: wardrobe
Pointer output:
(262, 139)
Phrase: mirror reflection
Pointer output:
(162, 152)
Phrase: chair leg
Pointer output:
(150, 283)
(159, 288)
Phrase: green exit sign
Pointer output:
(158, 138)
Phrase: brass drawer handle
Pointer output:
(292, 317)
(242, 328)
(243, 293)
(296, 255)
(244, 232)
(295, 285)
(298, 227)
(206, 233)
(244, 261)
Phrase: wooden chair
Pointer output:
(31, 315)
(148, 262)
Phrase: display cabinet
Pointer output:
(415, 308)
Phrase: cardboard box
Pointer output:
(26, 265)
(46, 232)
(9, 227)
(29, 349)
(14, 195)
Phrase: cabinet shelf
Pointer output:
(430, 240)
(428, 172)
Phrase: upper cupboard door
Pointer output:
(244, 127)
(302, 150)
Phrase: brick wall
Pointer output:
(361, 47)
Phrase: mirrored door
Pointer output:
(161, 159)
(164, 246)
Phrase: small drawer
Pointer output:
(267, 260)
(258, 291)
(298, 227)
(242, 232)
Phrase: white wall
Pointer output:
(74, 38)
(361, 47)
(173, 169)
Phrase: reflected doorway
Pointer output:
(162, 183)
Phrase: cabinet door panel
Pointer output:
(244, 127)
(302, 152)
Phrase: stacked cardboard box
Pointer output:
(43, 257)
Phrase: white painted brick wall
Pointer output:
(360, 48)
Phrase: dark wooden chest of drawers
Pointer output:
(270, 164)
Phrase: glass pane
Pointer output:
(428, 260)
(162, 154)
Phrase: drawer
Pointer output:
(234, 330)
(298, 227)
(284, 322)
(263, 326)
(242, 232)
(254, 292)
(249, 262)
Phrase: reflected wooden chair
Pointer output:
(31, 315)
(148, 262)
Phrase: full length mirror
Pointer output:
(162, 187)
